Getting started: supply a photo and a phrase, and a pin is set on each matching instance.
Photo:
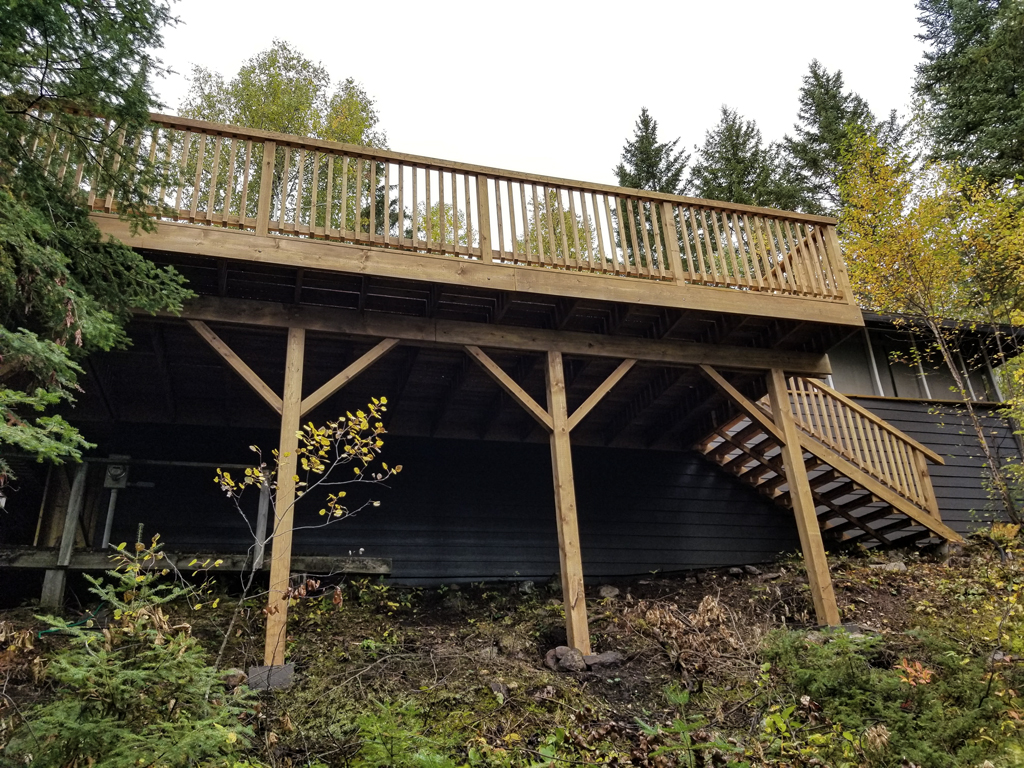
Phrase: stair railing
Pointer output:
(865, 440)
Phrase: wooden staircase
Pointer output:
(869, 480)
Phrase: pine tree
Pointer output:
(973, 81)
(64, 290)
(649, 164)
(735, 165)
(827, 114)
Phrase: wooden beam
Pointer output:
(570, 561)
(379, 261)
(37, 558)
(284, 509)
(598, 394)
(248, 375)
(818, 576)
(459, 333)
(752, 410)
(506, 382)
(350, 372)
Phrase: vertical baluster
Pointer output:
(300, 173)
(665, 237)
(754, 249)
(197, 181)
(358, 198)
(469, 219)
(538, 229)
(65, 157)
(552, 248)
(772, 266)
(401, 203)
(286, 179)
(627, 231)
(611, 237)
(211, 198)
(822, 256)
(641, 220)
(512, 218)
(429, 213)
(229, 188)
(886, 451)
(343, 223)
(456, 239)
(97, 174)
(314, 193)
(415, 206)
(527, 249)
(329, 204)
(657, 244)
(588, 230)
(741, 275)
(562, 224)
(243, 201)
(499, 219)
(373, 200)
(684, 236)
(743, 249)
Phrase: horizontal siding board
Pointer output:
(959, 488)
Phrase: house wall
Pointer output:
(959, 486)
(468, 510)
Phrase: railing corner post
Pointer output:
(266, 188)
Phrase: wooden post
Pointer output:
(565, 509)
(924, 477)
(811, 544)
(284, 512)
(483, 223)
(53, 581)
(266, 189)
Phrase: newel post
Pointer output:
(266, 188)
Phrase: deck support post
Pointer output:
(565, 509)
(811, 544)
(53, 582)
(284, 510)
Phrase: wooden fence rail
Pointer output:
(218, 175)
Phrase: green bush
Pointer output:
(940, 714)
(138, 692)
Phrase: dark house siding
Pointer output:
(472, 510)
(959, 485)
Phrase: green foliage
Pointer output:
(972, 77)
(650, 164)
(735, 165)
(281, 90)
(393, 734)
(942, 719)
(64, 291)
(137, 692)
(825, 119)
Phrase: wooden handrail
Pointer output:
(857, 435)
(275, 184)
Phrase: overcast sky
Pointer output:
(555, 87)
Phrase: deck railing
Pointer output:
(218, 175)
(862, 438)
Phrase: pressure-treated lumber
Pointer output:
(343, 378)
(251, 378)
(54, 580)
(565, 509)
(426, 331)
(284, 510)
(811, 544)
(367, 259)
(598, 394)
(506, 382)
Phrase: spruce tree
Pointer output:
(827, 114)
(64, 290)
(972, 78)
(735, 165)
(650, 164)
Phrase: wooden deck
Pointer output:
(599, 315)
(276, 199)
